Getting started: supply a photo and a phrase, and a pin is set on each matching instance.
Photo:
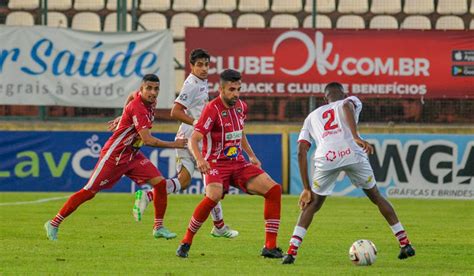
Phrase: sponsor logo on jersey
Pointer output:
(208, 123)
(330, 155)
(135, 120)
(104, 182)
(137, 144)
(183, 97)
(231, 152)
(234, 135)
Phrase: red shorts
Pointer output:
(231, 172)
(106, 173)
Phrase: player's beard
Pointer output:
(231, 102)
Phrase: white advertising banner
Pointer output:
(55, 66)
(408, 166)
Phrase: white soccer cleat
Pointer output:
(141, 202)
(224, 232)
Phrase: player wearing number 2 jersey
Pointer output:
(333, 128)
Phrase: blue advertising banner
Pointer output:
(408, 165)
(64, 160)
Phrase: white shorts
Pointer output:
(360, 174)
(185, 159)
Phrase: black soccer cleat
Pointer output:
(274, 253)
(406, 251)
(288, 259)
(183, 250)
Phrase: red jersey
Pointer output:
(125, 142)
(222, 128)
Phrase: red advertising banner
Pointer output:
(300, 62)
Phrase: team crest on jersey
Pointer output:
(231, 152)
(224, 113)
(239, 109)
(202, 89)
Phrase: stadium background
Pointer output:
(281, 116)
(38, 144)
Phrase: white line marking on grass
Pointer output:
(33, 202)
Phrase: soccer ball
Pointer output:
(363, 252)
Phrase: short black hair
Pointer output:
(334, 85)
(230, 75)
(151, 77)
(197, 54)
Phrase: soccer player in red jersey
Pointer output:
(121, 156)
(221, 127)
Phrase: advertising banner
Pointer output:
(408, 165)
(58, 66)
(370, 63)
(63, 161)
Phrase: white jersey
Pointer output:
(327, 127)
(193, 96)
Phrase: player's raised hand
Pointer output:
(366, 146)
(112, 124)
(305, 198)
(254, 160)
(181, 143)
(202, 165)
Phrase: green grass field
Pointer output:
(101, 237)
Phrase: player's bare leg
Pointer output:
(214, 193)
(265, 186)
(304, 221)
(160, 202)
(386, 209)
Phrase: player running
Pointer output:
(221, 127)
(187, 109)
(333, 127)
(121, 156)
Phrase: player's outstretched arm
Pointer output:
(349, 111)
(248, 149)
(112, 124)
(305, 197)
(201, 163)
(178, 113)
(151, 141)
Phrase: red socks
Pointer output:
(272, 216)
(200, 215)
(71, 205)
(160, 202)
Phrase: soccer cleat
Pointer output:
(163, 232)
(183, 250)
(288, 259)
(225, 232)
(51, 231)
(141, 202)
(406, 251)
(274, 253)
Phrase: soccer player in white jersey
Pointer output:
(187, 109)
(333, 128)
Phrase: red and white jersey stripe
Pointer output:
(222, 128)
